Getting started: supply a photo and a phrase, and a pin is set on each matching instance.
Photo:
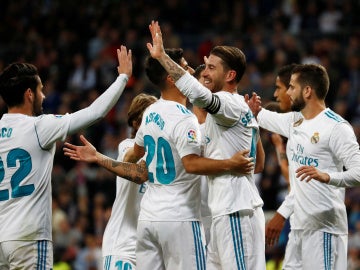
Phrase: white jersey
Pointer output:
(27, 148)
(204, 187)
(120, 233)
(328, 143)
(25, 171)
(231, 129)
(168, 132)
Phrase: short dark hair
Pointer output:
(232, 58)
(284, 74)
(315, 76)
(156, 72)
(15, 80)
(198, 70)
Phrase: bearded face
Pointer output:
(38, 99)
(298, 103)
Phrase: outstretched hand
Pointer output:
(156, 49)
(242, 163)
(254, 103)
(86, 152)
(125, 61)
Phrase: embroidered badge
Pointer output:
(298, 123)
(315, 138)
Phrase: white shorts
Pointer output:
(170, 245)
(237, 241)
(206, 222)
(315, 250)
(26, 255)
(113, 262)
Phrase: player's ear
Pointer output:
(231, 75)
(170, 79)
(29, 95)
(308, 91)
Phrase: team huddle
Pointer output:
(186, 196)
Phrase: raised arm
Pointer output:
(157, 51)
(135, 172)
(103, 104)
(198, 94)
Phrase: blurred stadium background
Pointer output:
(73, 44)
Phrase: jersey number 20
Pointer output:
(24, 169)
(165, 166)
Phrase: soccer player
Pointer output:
(27, 148)
(276, 223)
(200, 114)
(320, 144)
(169, 234)
(237, 238)
(119, 240)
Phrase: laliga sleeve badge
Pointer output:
(191, 136)
(315, 138)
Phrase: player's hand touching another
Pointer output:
(125, 61)
(86, 152)
(254, 103)
(242, 162)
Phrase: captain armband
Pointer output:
(214, 105)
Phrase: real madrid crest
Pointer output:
(315, 138)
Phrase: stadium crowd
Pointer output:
(73, 44)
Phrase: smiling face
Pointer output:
(281, 96)
(214, 74)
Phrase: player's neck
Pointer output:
(230, 87)
(21, 110)
(312, 109)
(174, 94)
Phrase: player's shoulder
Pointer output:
(232, 99)
(124, 146)
(331, 117)
(46, 118)
(129, 142)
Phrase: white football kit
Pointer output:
(119, 240)
(234, 200)
(204, 190)
(169, 232)
(27, 148)
(328, 143)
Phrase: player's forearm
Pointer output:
(350, 178)
(283, 161)
(100, 107)
(133, 172)
(206, 166)
(174, 70)
(260, 157)
(287, 207)
(198, 94)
